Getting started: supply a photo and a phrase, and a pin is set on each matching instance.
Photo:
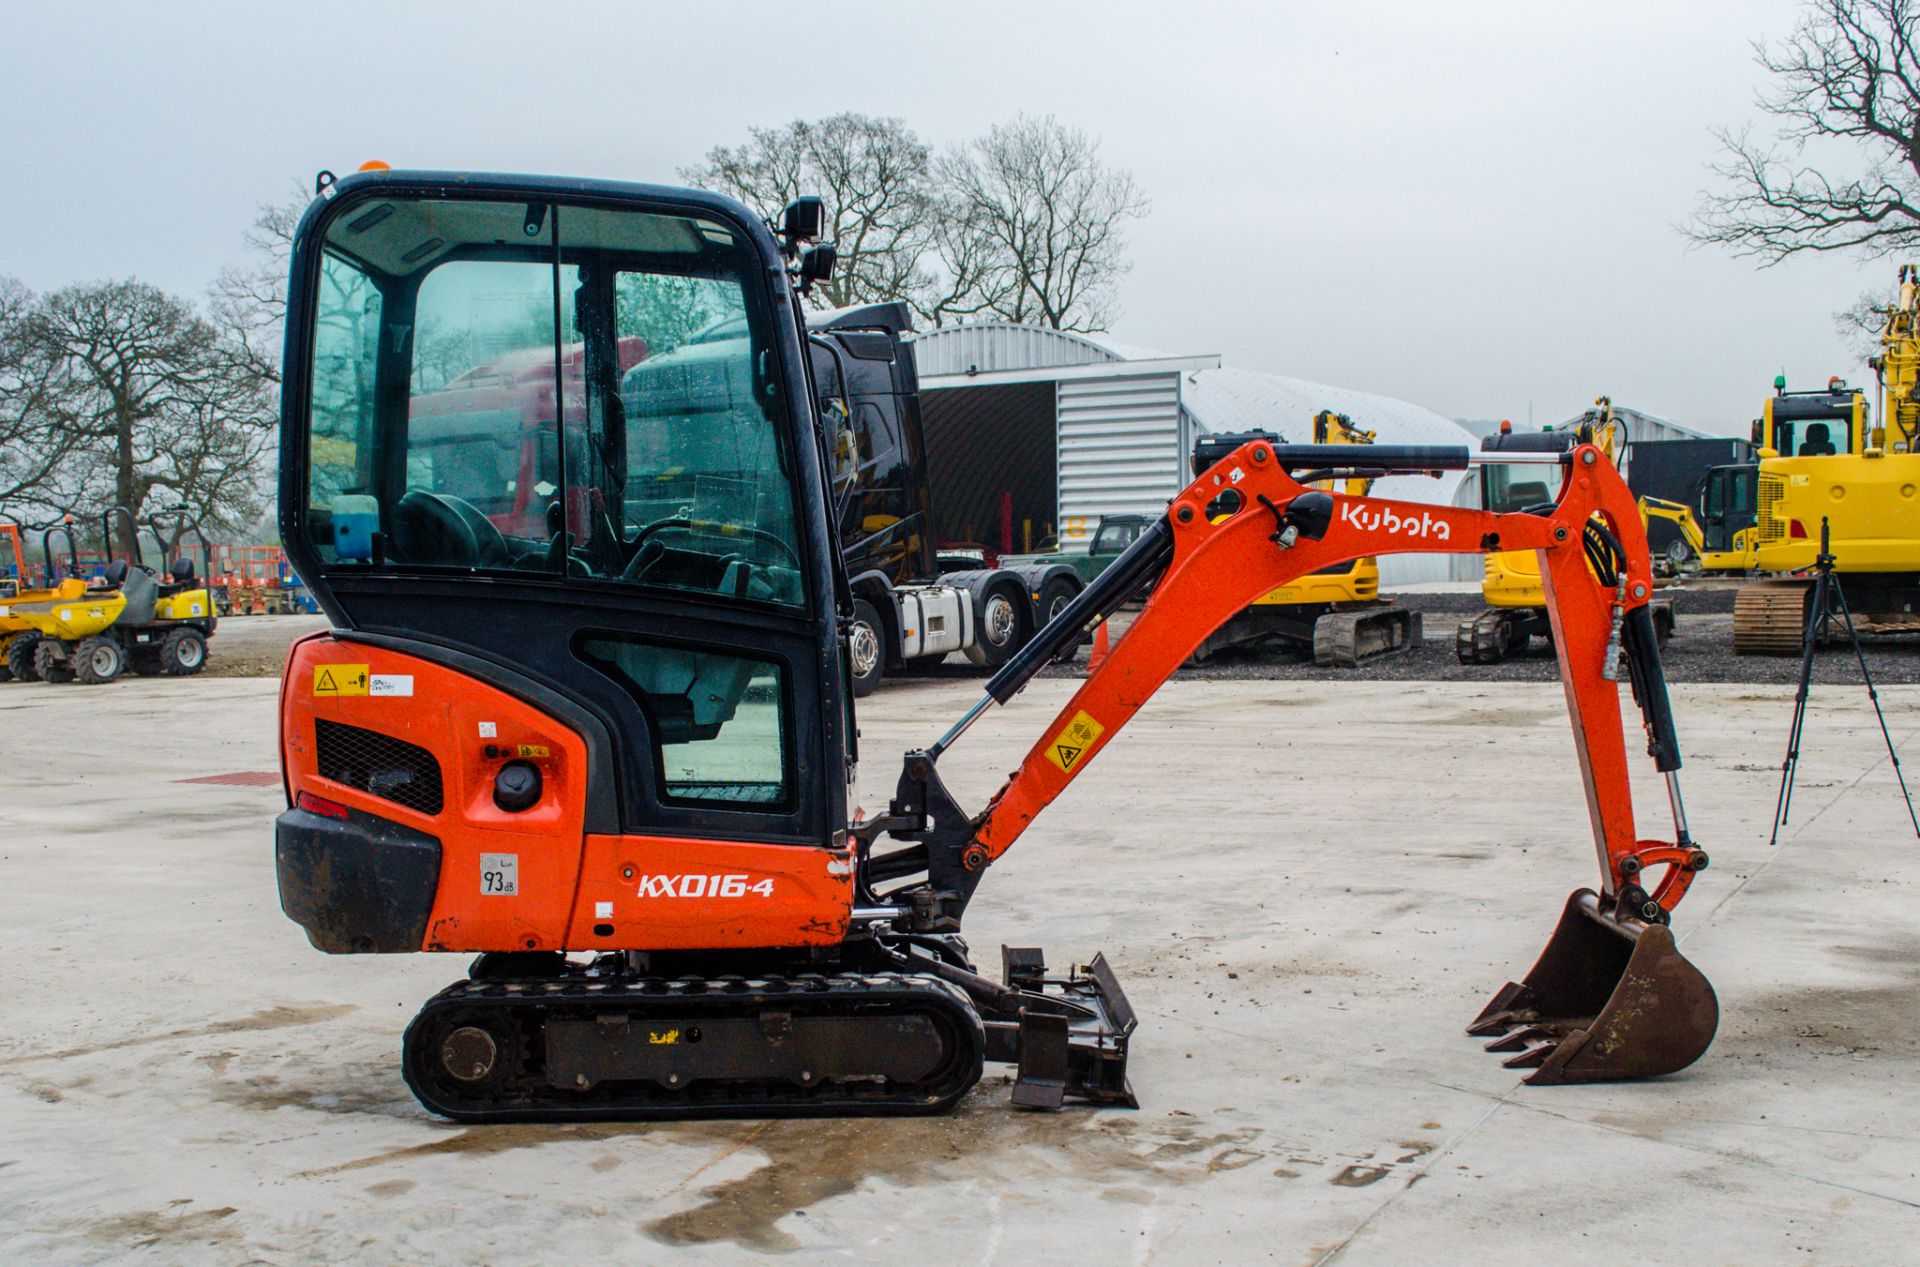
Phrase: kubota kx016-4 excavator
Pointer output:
(613, 756)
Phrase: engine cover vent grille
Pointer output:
(380, 765)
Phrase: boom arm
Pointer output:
(1246, 526)
(1680, 516)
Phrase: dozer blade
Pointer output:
(1608, 1001)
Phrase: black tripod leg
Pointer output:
(1816, 620)
(1846, 613)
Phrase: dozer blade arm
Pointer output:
(1245, 526)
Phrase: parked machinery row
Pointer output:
(72, 629)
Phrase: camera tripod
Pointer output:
(1829, 600)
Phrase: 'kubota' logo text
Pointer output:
(1422, 525)
(698, 885)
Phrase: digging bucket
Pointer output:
(1608, 1001)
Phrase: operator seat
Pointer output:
(180, 578)
(1819, 441)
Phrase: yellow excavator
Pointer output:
(1823, 457)
(1516, 605)
(1337, 613)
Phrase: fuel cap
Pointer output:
(517, 786)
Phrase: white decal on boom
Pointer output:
(1423, 525)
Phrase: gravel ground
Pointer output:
(1700, 651)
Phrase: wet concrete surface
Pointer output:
(1307, 894)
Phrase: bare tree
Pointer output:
(31, 448)
(1848, 78)
(149, 401)
(248, 301)
(1045, 216)
(874, 175)
(1023, 224)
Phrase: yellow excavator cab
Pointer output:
(1823, 457)
(1515, 601)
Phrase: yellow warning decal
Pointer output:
(1066, 748)
(666, 1039)
(533, 750)
(339, 679)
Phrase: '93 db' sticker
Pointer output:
(1066, 748)
(499, 874)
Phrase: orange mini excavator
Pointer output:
(609, 747)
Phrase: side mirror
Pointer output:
(816, 265)
(804, 220)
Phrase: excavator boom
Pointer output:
(1248, 524)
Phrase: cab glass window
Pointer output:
(568, 391)
(1510, 490)
(718, 721)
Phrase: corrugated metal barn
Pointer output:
(1034, 432)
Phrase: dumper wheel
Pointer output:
(183, 653)
(98, 660)
(20, 657)
(47, 664)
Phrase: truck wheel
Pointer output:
(866, 647)
(98, 660)
(1054, 597)
(47, 664)
(183, 653)
(1000, 627)
(20, 657)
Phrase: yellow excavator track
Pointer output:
(1770, 617)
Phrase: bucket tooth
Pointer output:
(1519, 1038)
(1532, 1058)
(1608, 1001)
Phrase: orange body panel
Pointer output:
(565, 879)
(664, 893)
(444, 714)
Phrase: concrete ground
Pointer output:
(1308, 892)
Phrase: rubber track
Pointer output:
(527, 1096)
(1336, 635)
(1477, 640)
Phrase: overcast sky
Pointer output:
(1468, 205)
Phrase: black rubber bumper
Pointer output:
(359, 885)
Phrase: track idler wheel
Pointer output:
(1610, 1000)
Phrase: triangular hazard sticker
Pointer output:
(324, 684)
(1067, 755)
